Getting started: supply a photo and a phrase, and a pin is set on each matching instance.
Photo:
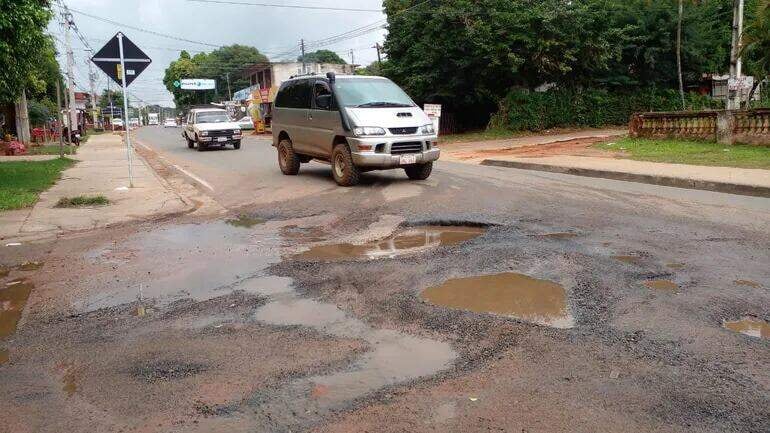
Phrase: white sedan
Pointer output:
(169, 123)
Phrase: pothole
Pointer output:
(628, 259)
(245, 221)
(13, 298)
(751, 326)
(30, 266)
(507, 294)
(404, 242)
(747, 283)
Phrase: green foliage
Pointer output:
(373, 69)
(756, 40)
(522, 110)
(117, 99)
(322, 56)
(22, 25)
(214, 65)
(22, 181)
(83, 200)
(691, 152)
(40, 111)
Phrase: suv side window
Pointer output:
(321, 88)
(283, 100)
(301, 95)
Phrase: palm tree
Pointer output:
(756, 43)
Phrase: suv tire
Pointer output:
(287, 159)
(419, 171)
(190, 143)
(344, 171)
(201, 146)
(237, 144)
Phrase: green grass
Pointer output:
(22, 181)
(691, 152)
(83, 200)
(50, 149)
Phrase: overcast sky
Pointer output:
(272, 30)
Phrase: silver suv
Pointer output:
(357, 123)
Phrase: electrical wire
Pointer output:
(323, 8)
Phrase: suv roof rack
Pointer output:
(309, 74)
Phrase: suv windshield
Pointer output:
(370, 92)
(212, 117)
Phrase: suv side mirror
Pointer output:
(323, 102)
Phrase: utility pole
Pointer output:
(92, 80)
(73, 115)
(61, 125)
(352, 58)
(229, 92)
(302, 48)
(736, 64)
(379, 55)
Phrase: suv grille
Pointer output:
(403, 131)
(221, 133)
(406, 147)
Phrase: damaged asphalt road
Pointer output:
(346, 310)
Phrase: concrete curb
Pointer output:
(677, 182)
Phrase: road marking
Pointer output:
(194, 177)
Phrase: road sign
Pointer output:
(198, 84)
(108, 60)
(432, 110)
(114, 112)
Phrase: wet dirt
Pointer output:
(13, 298)
(4, 271)
(662, 285)
(676, 265)
(747, 283)
(507, 294)
(407, 241)
(628, 259)
(245, 221)
(3, 356)
(751, 326)
(557, 235)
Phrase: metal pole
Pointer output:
(61, 124)
(125, 110)
(73, 115)
(302, 48)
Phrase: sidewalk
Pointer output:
(102, 170)
(745, 181)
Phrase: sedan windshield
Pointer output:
(213, 117)
(371, 93)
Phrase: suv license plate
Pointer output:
(222, 139)
(408, 159)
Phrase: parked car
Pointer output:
(357, 123)
(246, 123)
(169, 123)
(211, 127)
(134, 121)
(118, 123)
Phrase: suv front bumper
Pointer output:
(375, 152)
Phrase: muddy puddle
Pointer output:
(30, 266)
(13, 298)
(557, 235)
(507, 294)
(408, 241)
(245, 221)
(750, 326)
(628, 259)
(663, 285)
(747, 283)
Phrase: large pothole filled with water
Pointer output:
(751, 326)
(409, 240)
(507, 294)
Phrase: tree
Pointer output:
(115, 95)
(223, 64)
(22, 25)
(322, 56)
(756, 46)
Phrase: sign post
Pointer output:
(122, 61)
(434, 112)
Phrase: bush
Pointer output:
(535, 111)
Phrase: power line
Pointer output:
(152, 32)
(324, 8)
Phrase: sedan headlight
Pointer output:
(204, 133)
(362, 131)
(427, 129)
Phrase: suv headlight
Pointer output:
(368, 130)
(428, 129)
(204, 133)
(236, 131)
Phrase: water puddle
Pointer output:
(3, 356)
(665, 285)
(750, 326)
(628, 259)
(245, 221)
(508, 294)
(30, 266)
(407, 241)
(13, 298)
(747, 283)
(676, 265)
(558, 235)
